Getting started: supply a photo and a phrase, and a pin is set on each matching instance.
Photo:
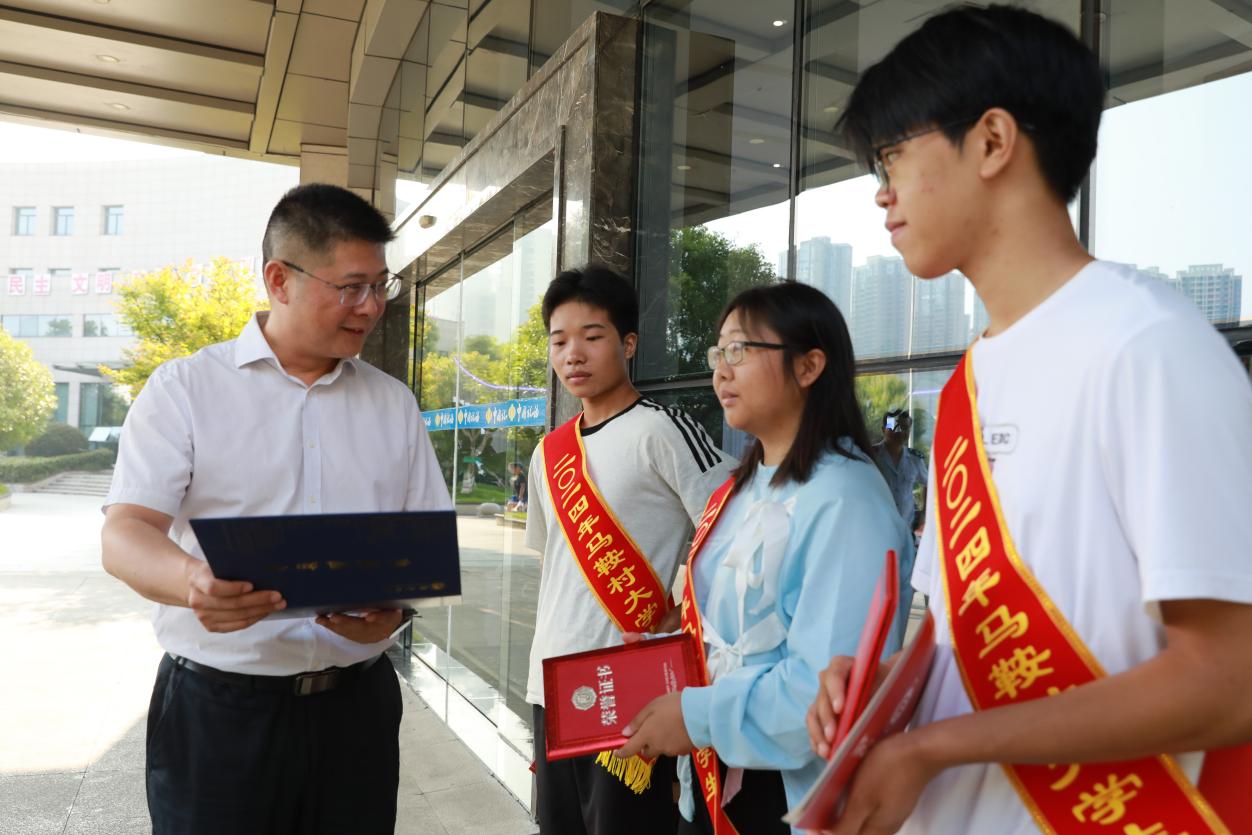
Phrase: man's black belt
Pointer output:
(302, 684)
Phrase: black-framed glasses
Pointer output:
(884, 155)
(351, 295)
(733, 352)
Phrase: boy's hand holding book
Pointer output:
(826, 710)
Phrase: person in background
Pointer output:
(904, 468)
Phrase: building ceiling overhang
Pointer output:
(247, 78)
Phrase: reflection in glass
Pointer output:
(99, 404)
(463, 64)
(483, 376)
(916, 391)
(714, 170)
(841, 244)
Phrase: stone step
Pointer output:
(79, 483)
(75, 491)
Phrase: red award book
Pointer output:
(590, 696)
(887, 712)
(873, 638)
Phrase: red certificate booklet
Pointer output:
(882, 610)
(590, 696)
(888, 712)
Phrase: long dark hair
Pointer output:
(804, 319)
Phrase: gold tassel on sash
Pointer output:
(635, 772)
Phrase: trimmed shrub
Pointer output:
(57, 439)
(26, 470)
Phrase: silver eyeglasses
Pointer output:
(884, 155)
(732, 352)
(351, 295)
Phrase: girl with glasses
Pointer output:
(782, 575)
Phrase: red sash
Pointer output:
(616, 570)
(705, 759)
(1012, 644)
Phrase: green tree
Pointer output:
(706, 271)
(176, 312)
(528, 351)
(878, 394)
(27, 394)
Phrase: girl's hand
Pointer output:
(658, 729)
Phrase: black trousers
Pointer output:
(578, 797)
(757, 808)
(223, 758)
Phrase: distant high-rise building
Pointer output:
(979, 321)
(939, 320)
(826, 266)
(881, 291)
(1215, 289)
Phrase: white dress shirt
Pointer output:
(227, 432)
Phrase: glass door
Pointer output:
(481, 380)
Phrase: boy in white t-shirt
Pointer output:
(655, 468)
(1090, 381)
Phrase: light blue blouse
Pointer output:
(808, 557)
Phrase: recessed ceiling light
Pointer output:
(831, 108)
(756, 141)
(780, 23)
(103, 2)
(117, 105)
(683, 167)
(109, 59)
(778, 165)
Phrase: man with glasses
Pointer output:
(1090, 576)
(283, 419)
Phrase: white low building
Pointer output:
(75, 229)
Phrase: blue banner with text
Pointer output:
(530, 411)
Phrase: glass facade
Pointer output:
(105, 324)
(465, 62)
(741, 180)
(481, 381)
(99, 405)
(34, 325)
(62, 413)
(739, 107)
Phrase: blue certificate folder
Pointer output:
(338, 562)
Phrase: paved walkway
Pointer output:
(72, 725)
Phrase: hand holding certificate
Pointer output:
(864, 719)
(329, 563)
(589, 697)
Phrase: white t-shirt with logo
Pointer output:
(656, 468)
(1119, 426)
